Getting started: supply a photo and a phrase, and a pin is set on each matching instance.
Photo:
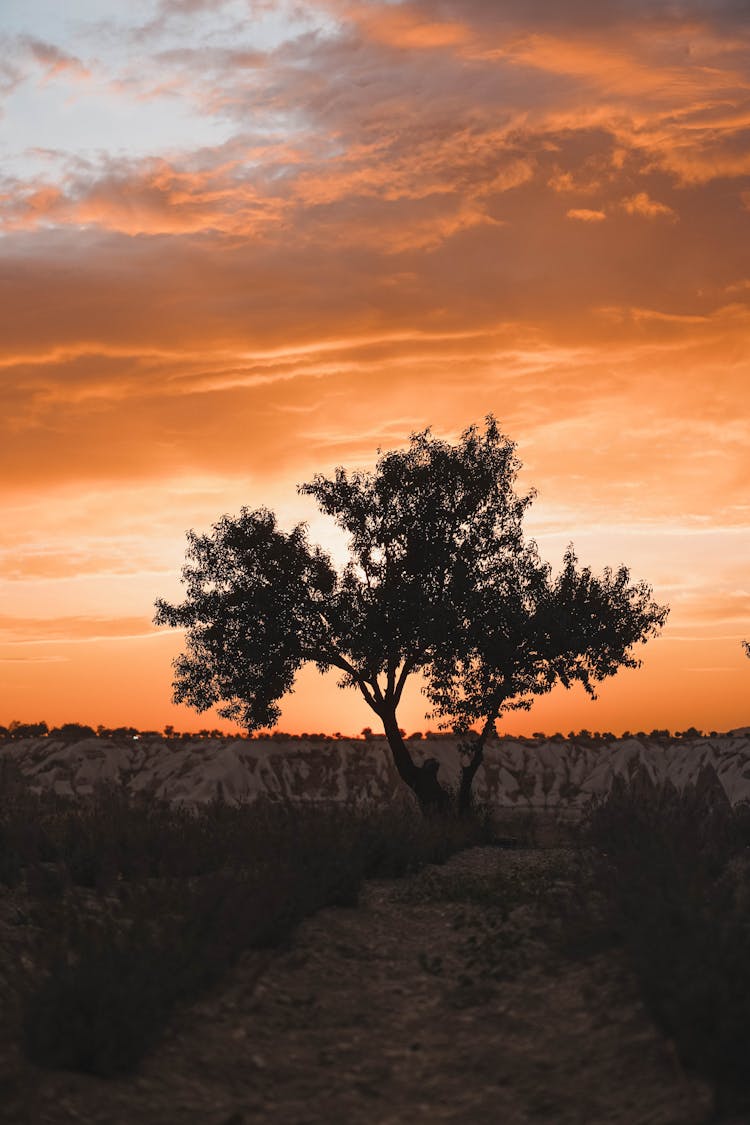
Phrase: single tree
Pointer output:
(440, 582)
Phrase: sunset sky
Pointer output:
(242, 242)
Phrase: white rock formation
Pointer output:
(517, 774)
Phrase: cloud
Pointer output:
(11, 76)
(405, 215)
(53, 60)
(408, 27)
(719, 608)
(168, 14)
(585, 215)
(641, 204)
(41, 630)
(27, 562)
(151, 198)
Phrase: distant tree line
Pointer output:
(17, 730)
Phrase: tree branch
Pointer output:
(409, 666)
(368, 697)
(391, 677)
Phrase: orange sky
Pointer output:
(243, 242)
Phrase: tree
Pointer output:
(440, 582)
(18, 730)
(73, 731)
(526, 631)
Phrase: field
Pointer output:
(289, 962)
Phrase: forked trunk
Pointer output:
(474, 750)
(468, 773)
(421, 779)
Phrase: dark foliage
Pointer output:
(17, 730)
(255, 596)
(71, 732)
(440, 581)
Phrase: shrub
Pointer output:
(180, 894)
(674, 871)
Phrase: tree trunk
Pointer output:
(468, 773)
(422, 780)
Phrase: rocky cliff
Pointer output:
(518, 774)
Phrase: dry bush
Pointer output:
(672, 871)
(152, 903)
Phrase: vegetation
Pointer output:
(671, 877)
(140, 906)
(16, 730)
(440, 582)
(134, 908)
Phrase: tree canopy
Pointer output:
(440, 581)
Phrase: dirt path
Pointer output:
(416, 1007)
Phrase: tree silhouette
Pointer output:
(18, 730)
(440, 582)
(525, 631)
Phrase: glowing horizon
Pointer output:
(244, 242)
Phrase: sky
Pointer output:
(243, 242)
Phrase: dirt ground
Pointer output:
(423, 1004)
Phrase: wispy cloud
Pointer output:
(642, 204)
(397, 214)
(52, 60)
(43, 630)
(586, 215)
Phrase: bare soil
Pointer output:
(426, 1003)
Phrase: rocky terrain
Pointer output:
(528, 774)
